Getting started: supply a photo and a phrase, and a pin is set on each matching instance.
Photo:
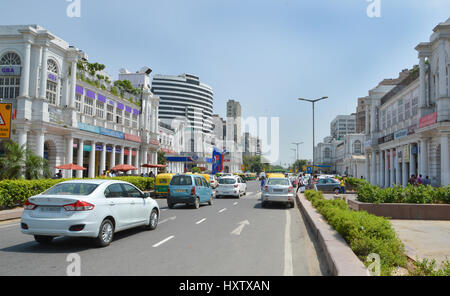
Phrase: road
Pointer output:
(231, 237)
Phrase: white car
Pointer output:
(88, 208)
(231, 186)
(278, 190)
(213, 181)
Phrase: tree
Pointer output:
(17, 161)
(298, 164)
(196, 170)
(161, 160)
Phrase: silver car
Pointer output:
(278, 190)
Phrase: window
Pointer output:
(181, 180)
(119, 116)
(9, 84)
(100, 107)
(394, 116)
(110, 113)
(134, 118)
(414, 104)
(127, 118)
(88, 106)
(114, 190)
(383, 119)
(131, 191)
(327, 153)
(407, 109)
(72, 189)
(52, 82)
(388, 120)
(400, 110)
(78, 102)
(357, 147)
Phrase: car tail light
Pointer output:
(266, 188)
(29, 206)
(79, 206)
(168, 191)
(236, 185)
(193, 190)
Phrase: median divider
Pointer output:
(339, 256)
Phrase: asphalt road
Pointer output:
(231, 237)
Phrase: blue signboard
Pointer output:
(111, 133)
(308, 170)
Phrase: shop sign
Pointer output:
(412, 129)
(388, 138)
(405, 153)
(10, 70)
(133, 138)
(428, 120)
(400, 134)
(88, 128)
(381, 140)
(111, 133)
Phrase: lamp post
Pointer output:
(313, 102)
(297, 144)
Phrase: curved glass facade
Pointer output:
(185, 96)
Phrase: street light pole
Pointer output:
(313, 102)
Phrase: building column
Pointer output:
(373, 177)
(113, 158)
(412, 161)
(92, 161)
(43, 85)
(422, 85)
(136, 162)
(404, 171)
(22, 139)
(392, 171)
(445, 160)
(367, 127)
(25, 74)
(423, 156)
(73, 83)
(102, 166)
(381, 171)
(122, 155)
(398, 173)
(367, 166)
(386, 169)
(130, 155)
(69, 155)
(80, 155)
(40, 139)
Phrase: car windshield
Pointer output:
(71, 189)
(181, 180)
(227, 181)
(284, 182)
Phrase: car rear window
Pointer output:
(227, 181)
(71, 189)
(284, 182)
(181, 180)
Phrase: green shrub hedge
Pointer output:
(15, 192)
(365, 233)
(398, 194)
(353, 183)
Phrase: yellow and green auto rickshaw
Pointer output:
(162, 184)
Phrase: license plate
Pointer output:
(51, 209)
(180, 190)
(278, 190)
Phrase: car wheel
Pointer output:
(292, 204)
(210, 202)
(153, 221)
(264, 204)
(197, 203)
(43, 239)
(105, 234)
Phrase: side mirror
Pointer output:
(146, 195)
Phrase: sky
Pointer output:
(263, 53)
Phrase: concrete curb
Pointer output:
(340, 258)
(11, 214)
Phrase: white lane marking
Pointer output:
(168, 219)
(163, 210)
(241, 226)
(235, 203)
(163, 241)
(288, 266)
(224, 209)
(203, 220)
(9, 225)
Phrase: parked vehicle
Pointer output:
(231, 186)
(162, 184)
(189, 189)
(213, 181)
(278, 190)
(328, 185)
(88, 208)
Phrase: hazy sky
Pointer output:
(263, 53)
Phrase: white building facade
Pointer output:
(410, 130)
(66, 115)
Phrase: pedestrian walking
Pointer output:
(263, 182)
(342, 185)
(412, 180)
(427, 181)
(419, 180)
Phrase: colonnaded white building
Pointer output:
(67, 115)
(410, 125)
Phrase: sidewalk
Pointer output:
(422, 238)
(11, 214)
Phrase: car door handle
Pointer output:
(112, 204)
(133, 203)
